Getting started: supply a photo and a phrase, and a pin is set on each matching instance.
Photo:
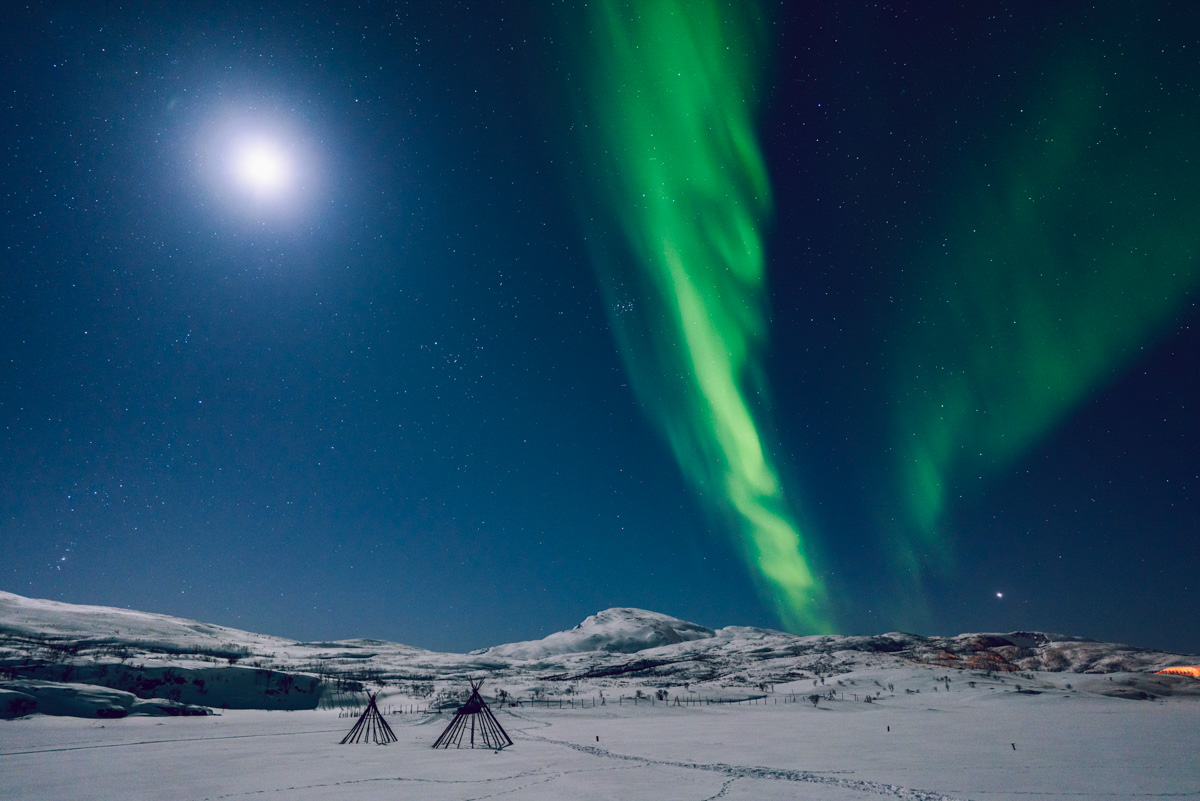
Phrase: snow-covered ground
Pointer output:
(629, 705)
(953, 744)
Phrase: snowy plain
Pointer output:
(956, 744)
(725, 713)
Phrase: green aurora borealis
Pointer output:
(1065, 253)
(669, 112)
(1064, 247)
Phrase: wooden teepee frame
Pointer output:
(371, 727)
(475, 721)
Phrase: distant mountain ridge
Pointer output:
(616, 632)
(34, 616)
(154, 655)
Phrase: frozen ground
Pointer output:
(1003, 717)
(951, 744)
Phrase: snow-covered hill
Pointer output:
(157, 656)
(53, 620)
(620, 631)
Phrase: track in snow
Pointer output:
(750, 772)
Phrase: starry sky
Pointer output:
(392, 398)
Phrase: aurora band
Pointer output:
(1067, 250)
(666, 117)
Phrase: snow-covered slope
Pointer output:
(615, 650)
(621, 631)
(55, 621)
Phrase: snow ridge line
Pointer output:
(779, 774)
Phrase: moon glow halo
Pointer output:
(262, 167)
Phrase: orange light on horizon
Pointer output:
(1182, 670)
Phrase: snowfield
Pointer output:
(99, 703)
(956, 744)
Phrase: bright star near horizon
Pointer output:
(999, 595)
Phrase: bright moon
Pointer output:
(262, 167)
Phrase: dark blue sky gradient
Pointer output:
(394, 409)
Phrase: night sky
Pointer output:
(379, 394)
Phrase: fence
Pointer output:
(678, 701)
(354, 709)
